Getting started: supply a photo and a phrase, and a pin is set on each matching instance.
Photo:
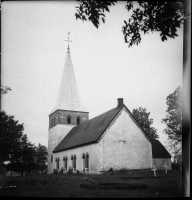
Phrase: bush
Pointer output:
(55, 171)
(77, 172)
(61, 171)
(69, 171)
(111, 170)
(175, 166)
(123, 170)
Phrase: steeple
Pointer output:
(68, 97)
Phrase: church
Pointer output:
(113, 139)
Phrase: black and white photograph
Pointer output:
(95, 99)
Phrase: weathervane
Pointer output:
(68, 40)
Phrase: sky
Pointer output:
(34, 49)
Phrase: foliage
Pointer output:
(61, 171)
(55, 171)
(142, 117)
(111, 170)
(173, 120)
(41, 157)
(148, 16)
(15, 148)
(69, 170)
(123, 170)
(11, 138)
(175, 166)
(4, 90)
(2, 170)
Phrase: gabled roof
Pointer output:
(158, 150)
(87, 132)
(90, 131)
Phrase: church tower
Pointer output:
(68, 111)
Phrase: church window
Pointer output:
(58, 163)
(83, 157)
(55, 162)
(87, 161)
(78, 120)
(66, 162)
(74, 162)
(69, 120)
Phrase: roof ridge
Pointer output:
(72, 132)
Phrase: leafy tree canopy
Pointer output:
(147, 16)
(173, 120)
(4, 90)
(11, 137)
(142, 117)
(41, 156)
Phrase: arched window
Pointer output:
(58, 163)
(66, 162)
(87, 161)
(74, 162)
(78, 120)
(69, 120)
(83, 157)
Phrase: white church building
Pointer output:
(113, 139)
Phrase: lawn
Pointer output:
(68, 185)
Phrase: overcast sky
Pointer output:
(34, 52)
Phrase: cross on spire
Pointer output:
(68, 41)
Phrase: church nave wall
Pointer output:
(123, 145)
(80, 163)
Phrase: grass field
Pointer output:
(68, 185)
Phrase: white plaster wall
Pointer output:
(55, 136)
(93, 157)
(159, 163)
(123, 145)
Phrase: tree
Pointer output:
(4, 90)
(41, 157)
(162, 16)
(142, 117)
(11, 134)
(173, 120)
(14, 145)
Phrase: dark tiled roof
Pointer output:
(90, 131)
(87, 132)
(158, 150)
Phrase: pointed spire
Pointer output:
(68, 43)
(68, 97)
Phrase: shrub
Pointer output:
(69, 171)
(122, 170)
(55, 171)
(77, 172)
(175, 166)
(111, 170)
(61, 171)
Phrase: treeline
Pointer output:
(16, 152)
